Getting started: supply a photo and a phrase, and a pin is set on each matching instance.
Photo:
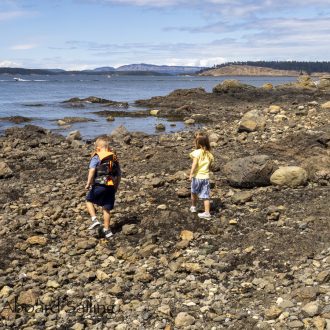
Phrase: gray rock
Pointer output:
(249, 172)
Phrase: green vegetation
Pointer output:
(303, 66)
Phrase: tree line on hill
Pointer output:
(302, 66)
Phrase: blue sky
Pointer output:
(84, 34)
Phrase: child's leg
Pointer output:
(91, 209)
(106, 217)
(194, 199)
(207, 205)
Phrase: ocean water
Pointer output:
(40, 97)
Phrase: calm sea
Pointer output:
(21, 97)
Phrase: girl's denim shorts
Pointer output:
(201, 187)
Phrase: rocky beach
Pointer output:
(261, 262)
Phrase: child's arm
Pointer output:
(117, 178)
(117, 182)
(90, 179)
(193, 167)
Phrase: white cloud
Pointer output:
(147, 3)
(23, 47)
(8, 64)
(6, 16)
(194, 61)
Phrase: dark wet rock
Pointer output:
(232, 86)
(16, 119)
(97, 100)
(250, 171)
(187, 92)
(114, 113)
(160, 127)
(33, 104)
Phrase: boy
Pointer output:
(103, 180)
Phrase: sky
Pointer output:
(85, 34)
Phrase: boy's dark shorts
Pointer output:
(102, 196)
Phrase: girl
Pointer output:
(199, 174)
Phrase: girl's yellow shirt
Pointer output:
(204, 161)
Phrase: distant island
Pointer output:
(249, 68)
(131, 69)
(267, 68)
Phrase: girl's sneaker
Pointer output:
(204, 215)
(94, 224)
(107, 233)
(193, 209)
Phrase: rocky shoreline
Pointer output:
(262, 262)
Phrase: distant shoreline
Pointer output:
(248, 71)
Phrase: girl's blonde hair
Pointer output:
(202, 142)
(100, 143)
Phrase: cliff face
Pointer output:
(247, 70)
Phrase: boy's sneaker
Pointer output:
(107, 233)
(94, 224)
(204, 215)
(193, 209)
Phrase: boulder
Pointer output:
(110, 118)
(248, 172)
(305, 81)
(154, 112)
(232, 86)
(119, 132)
(5, 170)
(291, 176)
(74, 135)
(267, 86)
(252, 121)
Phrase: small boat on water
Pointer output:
(19, 79)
